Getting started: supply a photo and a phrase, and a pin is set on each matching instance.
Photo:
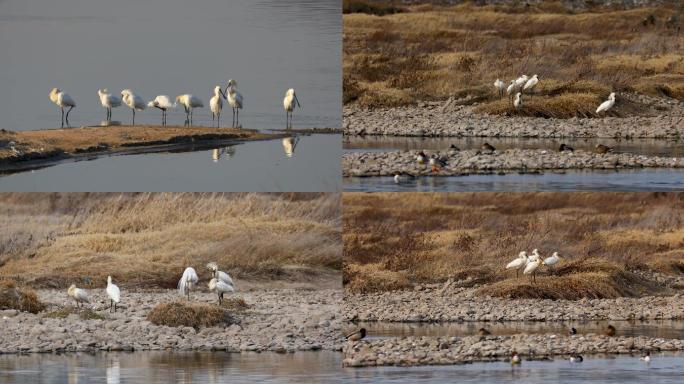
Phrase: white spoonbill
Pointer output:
(234, 100)
(531, 83)
(79, 295)
(220, 275)
(518, 102)
(62, 100)
(113, 293)
(220, 287)
(289, 145)
(531, 267)
(500, 87)
(511, 88)
(552, 260)
(162, 102)
(216, 105)
(289, 103)
(133, 101)
(518, 263)
(520, 81)
(187, 281)
(189, 102)
(108, 101)
(608, 104)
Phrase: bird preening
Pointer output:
(62, 100)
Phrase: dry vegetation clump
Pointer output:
(432, 52)
(182, 314)
(391, 240)
(371, 8)
(147, 239)
(235, 304)
(22, 299)
(84, 314)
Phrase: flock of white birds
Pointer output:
(221, 283)
(530, 263)
(522, 84)
(163, 102)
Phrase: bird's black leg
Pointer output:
(67, 115)
(62, 117)
(237, 118)
(133, 116)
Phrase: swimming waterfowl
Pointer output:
(565, 148)
(454, 148)
(515, 359)
(401, 177)
(646, 357)
(609, 330)
(483, 332)
(356, 335)
(576, 359)
(601, 149)
(421, 158)
(572, 331)
(488, 147)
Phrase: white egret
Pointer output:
(187, 281)
(108, 101)
(113, 293)
(289, 103)
(62, 100)
(162, 102)
(79, 295)
(500, 87)
(189, 103)
(216, 104)
(234, 100)
(518, 102)
(133, 101)
(606, 105)
(220, 275)
(518, 263)
(511, 88)
(220, 287)
(289, 145)
(531, 83)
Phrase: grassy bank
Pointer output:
(431, 52)
(612, 244)
(146, 240)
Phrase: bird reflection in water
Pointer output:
(289, 145)
(113, 371)
(226, 152)
(113, 123)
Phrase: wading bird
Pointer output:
(531, 83)
(187, 281)
(235, 101)
(163, 103)
(606, 105)
(518, 263)
(189, 103)
(500, 87)
(552, 260)
(133, 101)
(62, 100)
(511, 88)
(289, 145)
(113, 293)
(220, 275)
(518, 102)
(289, 103)
(216, 105)
(108, 101)
(220, 287)
(520, 82)
(79, 295)
(356, 335)
(531, 268)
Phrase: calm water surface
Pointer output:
(571, 181)
(314, 166)
(317, 367)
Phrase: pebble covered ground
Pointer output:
(277, 320)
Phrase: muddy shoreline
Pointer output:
(458, 163)
(277, 320)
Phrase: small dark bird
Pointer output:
(600, 148)
(609, 330)
(576, 359)
(565, 148)
(483, 332)
(453, 148)
(488, 147)
(572, 331)
(356, 335)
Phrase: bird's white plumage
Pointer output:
(290, 100)
(531, 83)
(499, 85)
(520, 81)
(608, 104)
(190, 101)
(216, 101)
(133, 100)
(113, 291)
(519, 261)
(220, 275)
(80, 295)
(108, 100)
(552, 260)
(188, 279)
(220, 286)
(60, 98)
(510, 88)
(289, 145)
(162, 102)
(531, 266)
(518, 102)
(234, 98)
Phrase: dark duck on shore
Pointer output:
(437, 163)
(483, 332)
(601, 149)
(609, 330)
(486, 147)
(565, 148)
(356, 335)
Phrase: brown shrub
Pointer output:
(181, 314)
(22, 299)
(372, 278)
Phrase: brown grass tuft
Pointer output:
(85, 314)
(181, 314)
(22, 299)
(372, 278)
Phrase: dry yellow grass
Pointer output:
(430, 52)
(604, 239)
(181, 314)
(147, 239)
(19, 298)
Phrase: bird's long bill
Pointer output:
(224, 93)
(297, 100)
